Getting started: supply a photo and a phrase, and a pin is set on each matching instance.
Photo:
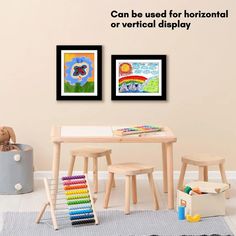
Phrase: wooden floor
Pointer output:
(34, 200)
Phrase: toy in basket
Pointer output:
(137, 130)
(74, 206)
(202, 198)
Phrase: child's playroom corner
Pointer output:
(117, 118)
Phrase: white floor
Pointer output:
(33, 201)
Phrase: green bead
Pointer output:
(77, 197)
(87, 200)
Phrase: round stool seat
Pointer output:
(203, 160)
(91, 151)
(130, 168)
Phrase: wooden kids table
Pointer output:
(104, 134)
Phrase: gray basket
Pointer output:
(16, 170)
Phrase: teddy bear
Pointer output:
(7, 134)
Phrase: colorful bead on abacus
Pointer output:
(79, 201)
(80, 206)
(72, 182)
(73, 197)
(86, 216)
(83, 222)
(73, 177)
(68, 187)
(78, 212)
(86, 200)
(76, 191)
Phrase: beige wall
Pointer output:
(201, 75)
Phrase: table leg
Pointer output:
(170, 175)
(206, 173)
(134, 189)
(55, 169)
(201, 173)
(164, 167)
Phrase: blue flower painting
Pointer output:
(79, 70)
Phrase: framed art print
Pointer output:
(79, 72)
(138, 77)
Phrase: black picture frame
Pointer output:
(119, 60)
(85, 83)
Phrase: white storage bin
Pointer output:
(207, 204)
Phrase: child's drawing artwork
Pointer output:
(79, 72)
(139, 77)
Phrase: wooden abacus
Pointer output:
(78, 205)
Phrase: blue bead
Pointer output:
(78, 217)
(81, 211)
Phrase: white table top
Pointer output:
(86, 131)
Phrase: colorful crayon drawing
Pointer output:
(79, 72)
(137, 76)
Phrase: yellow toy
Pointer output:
(193, 219)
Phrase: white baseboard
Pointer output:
(157, 175)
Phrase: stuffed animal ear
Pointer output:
(12, 134)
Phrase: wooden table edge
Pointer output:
(56, 138)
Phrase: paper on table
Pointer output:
(86, 131)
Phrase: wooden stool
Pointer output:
(130, 170)
(90, 152)
(203, 161)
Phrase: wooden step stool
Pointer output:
(130, 170)
(90, 152)
(203, 161)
